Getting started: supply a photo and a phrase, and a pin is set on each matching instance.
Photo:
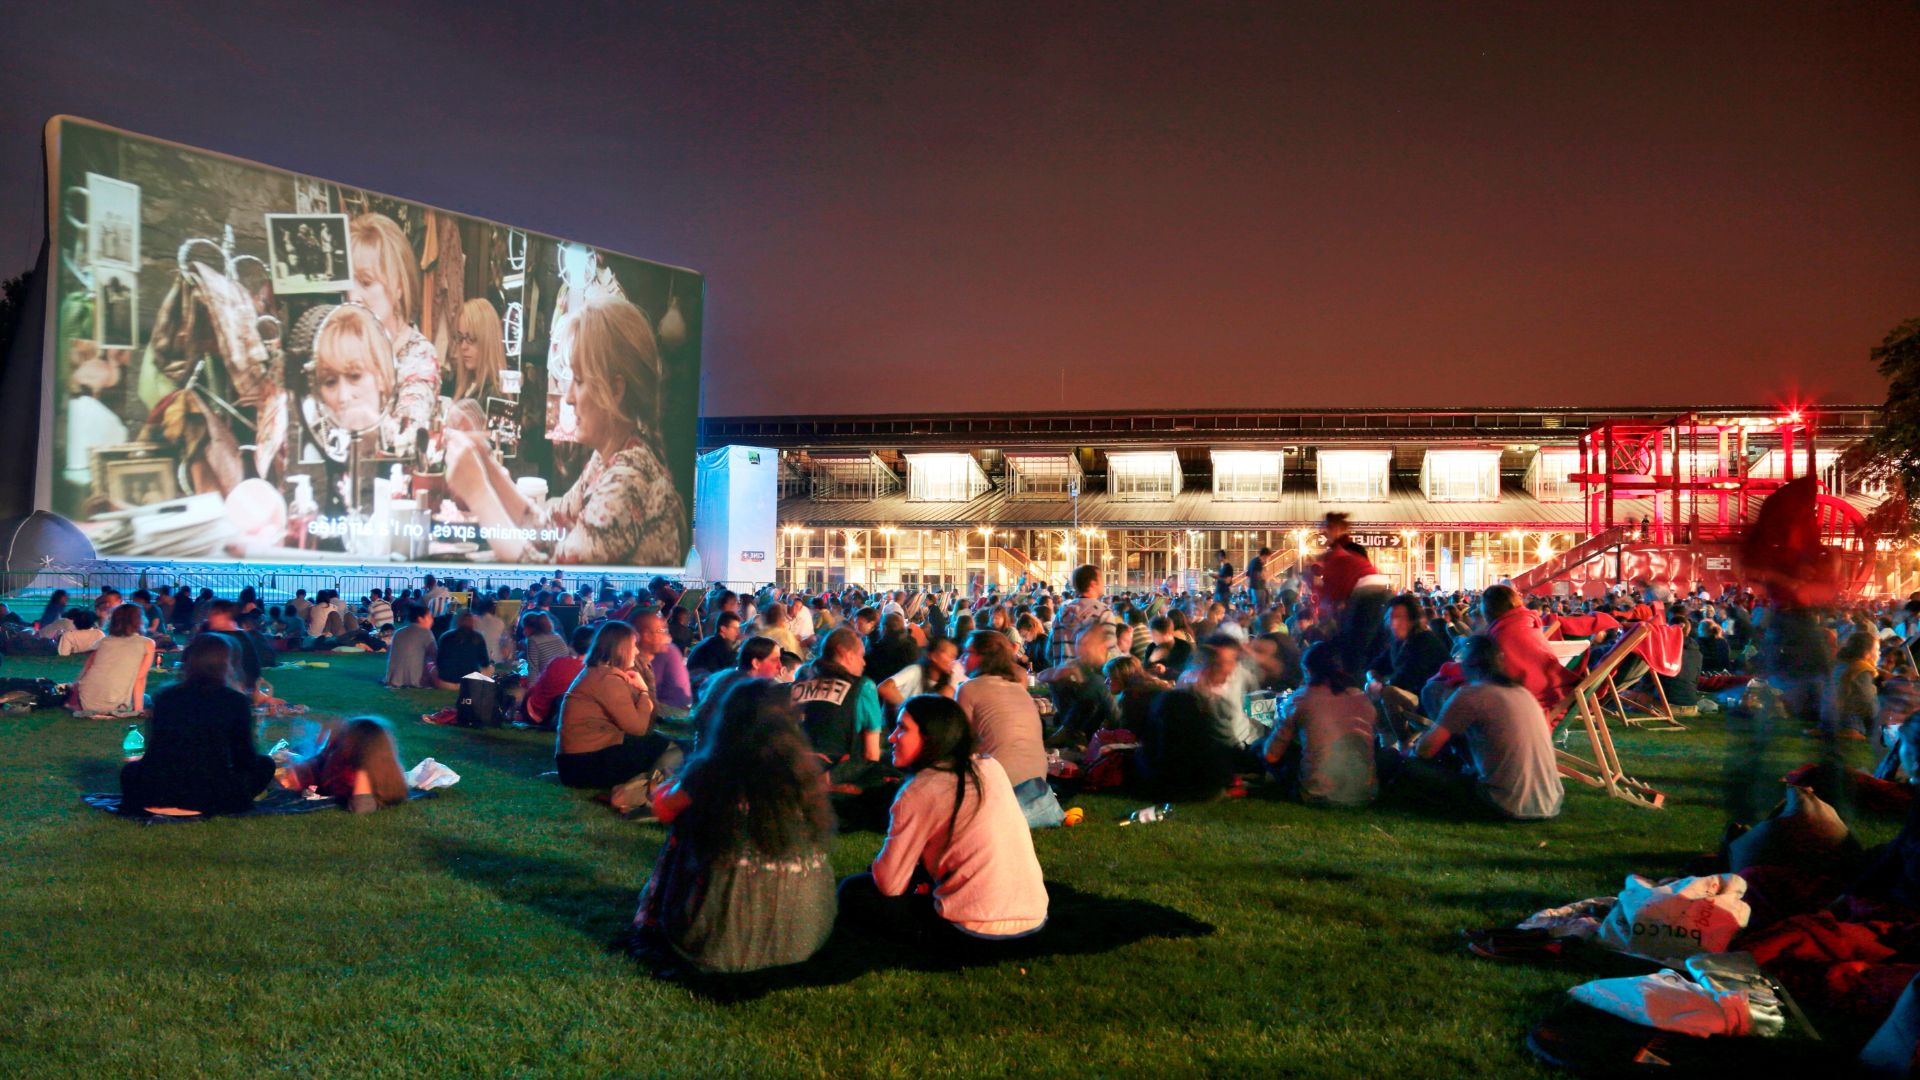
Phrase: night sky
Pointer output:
(1044, 205)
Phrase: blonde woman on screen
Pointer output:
(624, 508)
(386, 278)
(479, 354)
(353, 368)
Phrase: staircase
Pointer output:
(1014, 561)
(1598, 544)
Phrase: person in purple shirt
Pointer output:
(671, 685)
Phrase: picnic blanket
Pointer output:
(275, 801)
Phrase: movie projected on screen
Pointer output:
(250, 364)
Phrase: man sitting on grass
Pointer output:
(462, 651)
(1510, 746)
(410, 655)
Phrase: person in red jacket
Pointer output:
(1353, 594)
(1529, 659)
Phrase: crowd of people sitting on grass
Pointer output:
(752, 722)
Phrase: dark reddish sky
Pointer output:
(901, 207)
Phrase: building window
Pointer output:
(1034, 477)
(944, 478)
(1461, 475)
(1246, 475)
(1549, 474)
(1354, 475)
(1147, 476)
(852, 476)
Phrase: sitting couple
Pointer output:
(743, 881)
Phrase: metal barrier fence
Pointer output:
(276, 584)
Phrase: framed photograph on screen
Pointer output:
(113, 221)
(116, 303)
(137, 482)
(309, 253)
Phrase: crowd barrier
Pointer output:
(276, 584)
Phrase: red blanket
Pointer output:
(1661, 649)
(1585, 626)
(1847, 967)
(1530, 660)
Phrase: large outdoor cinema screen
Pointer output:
(250, 364)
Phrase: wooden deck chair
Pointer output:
(1585, 701)
(1641, 715)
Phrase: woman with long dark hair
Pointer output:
(200, 754)
(359, 767)
(957, 827)
(1334, 721)
(743, 881)
(606, 718)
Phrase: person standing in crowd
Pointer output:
(1257, 580)
(1333, 722)
(624, 508)
(743, 881)
(1354, 595)
(200, 755)
(1509, 741)
(1084, 609)
(606, 718)
(1006, 723)
(410, 655)
(1222, 579)
(955, 826)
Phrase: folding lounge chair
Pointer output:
(1585, 700)
(1643, 715)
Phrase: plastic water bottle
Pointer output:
(134, 746)
(1148, 815)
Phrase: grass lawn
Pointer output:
(463, 935)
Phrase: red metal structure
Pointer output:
(1693, 484)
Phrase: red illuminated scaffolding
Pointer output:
(1692, 479)
(1696, 480)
